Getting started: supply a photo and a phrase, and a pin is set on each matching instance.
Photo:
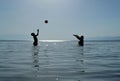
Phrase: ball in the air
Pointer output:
(46, 21)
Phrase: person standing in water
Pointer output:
(81, 40)
(35, 43)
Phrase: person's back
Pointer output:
(35, 43)
(81, 42)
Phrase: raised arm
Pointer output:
(37, 32)
(77, 37)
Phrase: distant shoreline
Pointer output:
(96, 40)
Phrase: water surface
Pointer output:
(59, 61)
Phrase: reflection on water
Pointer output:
(80, 58)
(35, 51)
(57, 65)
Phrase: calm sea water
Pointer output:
(59, 61)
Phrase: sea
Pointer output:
(59, 60)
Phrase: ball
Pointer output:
(46, 21)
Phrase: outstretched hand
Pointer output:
(76, 36)
(37, 30)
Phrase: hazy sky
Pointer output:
(91, 18)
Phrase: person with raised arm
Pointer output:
(81, 39)
(35, 43)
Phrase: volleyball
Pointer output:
(46, 21)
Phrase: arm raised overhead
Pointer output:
(37, 32)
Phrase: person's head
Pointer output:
(82, 37)
(32, 34)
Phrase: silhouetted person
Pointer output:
(35, 43)
(81, 39)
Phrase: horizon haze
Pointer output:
(91, 18)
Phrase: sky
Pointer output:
(91, 18)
